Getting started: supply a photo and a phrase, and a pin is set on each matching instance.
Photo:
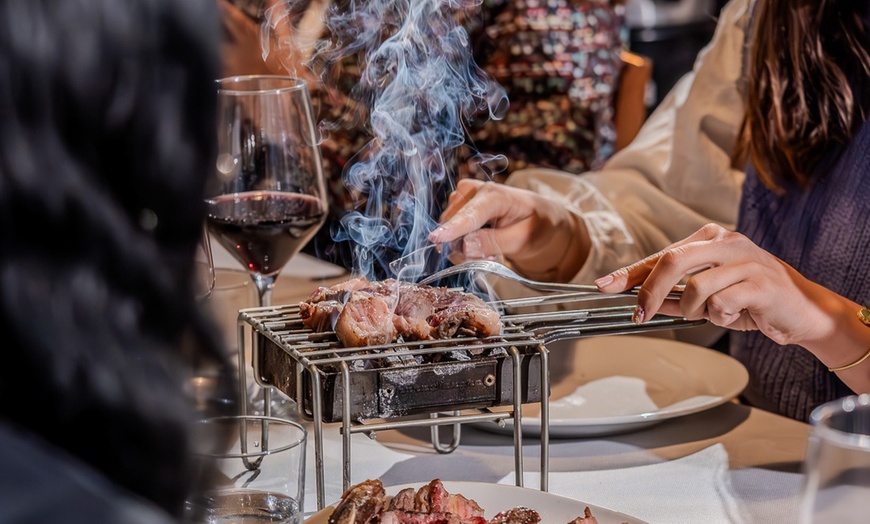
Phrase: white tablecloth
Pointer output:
(697, 488)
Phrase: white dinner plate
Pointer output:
(554, 509)
(615, 384)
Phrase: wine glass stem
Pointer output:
(264, 289)
(264, 298)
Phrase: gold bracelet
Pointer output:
(864, 317)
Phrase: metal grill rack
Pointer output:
(424, 383)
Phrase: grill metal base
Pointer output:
(414, 389)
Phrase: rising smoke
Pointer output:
(421, 87)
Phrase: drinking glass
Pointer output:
(837, 465)
(205, 270)
(259, 477)
(268, 198)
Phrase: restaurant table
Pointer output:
(764, 450)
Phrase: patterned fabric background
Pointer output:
(559, 62)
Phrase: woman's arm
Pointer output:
(735, 284)
(673, 178)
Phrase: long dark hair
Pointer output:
(106, 138)
(808, 73)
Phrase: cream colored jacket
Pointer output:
(676, 175)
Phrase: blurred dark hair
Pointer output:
(807, 94)
(106, 138)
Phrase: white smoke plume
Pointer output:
(421, 87)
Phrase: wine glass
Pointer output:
(268, 197)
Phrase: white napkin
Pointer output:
(369, 459)
(690, 490)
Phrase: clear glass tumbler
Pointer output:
(257, 477)
(837, 465)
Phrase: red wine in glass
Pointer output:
(264, 229)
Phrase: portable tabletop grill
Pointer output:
(426, 383)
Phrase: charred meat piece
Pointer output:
(468, 319)
(403, 501)
(320, 316)
(365, 320)
(431, 504)
(408, 517)
(587, 518)
(338, 291)
(360, 504)
(433, 499)
(364, 313)
(517, 515)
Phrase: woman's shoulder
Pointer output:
(736, 14)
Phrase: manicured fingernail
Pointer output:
(638, 315)
(435, 235)
(604, 281)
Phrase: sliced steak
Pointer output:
(360, 504)
(403, 501)
(517, 515)
(431, 504)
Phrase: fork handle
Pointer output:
(591, 289)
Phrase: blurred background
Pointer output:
(670, 33)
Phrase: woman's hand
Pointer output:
(539, 236)
(733, 283)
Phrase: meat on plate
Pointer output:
(367, 502)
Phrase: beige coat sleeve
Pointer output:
(676, 175)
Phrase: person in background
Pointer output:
(559, 64)
(768, 137)
(106, 140)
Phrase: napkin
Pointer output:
(690, 490)
(369, 459)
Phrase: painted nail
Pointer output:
(435, 235)
(638, 315)
(604, 281)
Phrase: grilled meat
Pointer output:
(587, 518)
(431, 504)
(517, 515)
(403, 501)
(364, 313)
(365, 320)
(360, 504)
(404, 517)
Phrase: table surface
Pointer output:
(765, 450)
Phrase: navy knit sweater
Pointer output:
(823, 233)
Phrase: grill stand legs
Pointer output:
(348, 428)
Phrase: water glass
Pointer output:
(837, 465)
(258, 478)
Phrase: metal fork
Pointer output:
(496, 268)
